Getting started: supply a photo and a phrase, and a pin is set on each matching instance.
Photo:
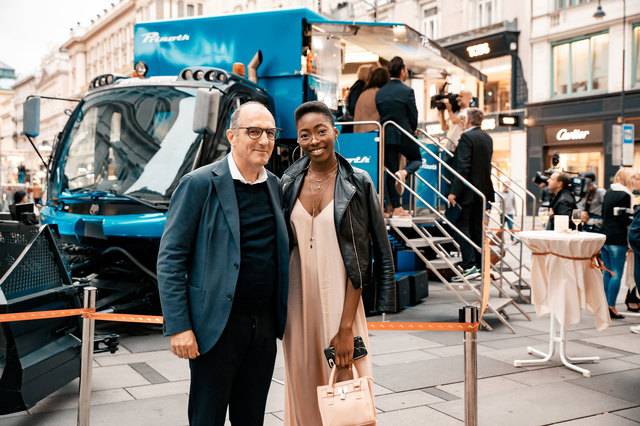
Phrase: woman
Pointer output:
(366, 109)
(336, 228)
(614, 226)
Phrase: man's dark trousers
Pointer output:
(245, 356)
(470, 224)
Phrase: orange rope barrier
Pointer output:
(595, 260)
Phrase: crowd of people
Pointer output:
(614, 213)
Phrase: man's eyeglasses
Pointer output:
(321, 135)
(256, 132)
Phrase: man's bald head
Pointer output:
(464, 98)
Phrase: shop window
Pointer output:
(430, 23)
(580, 65)
(485, 11)
(635, 73)
(191, 10)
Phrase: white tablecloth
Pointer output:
(562, 286)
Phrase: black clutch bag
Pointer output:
(359, 351)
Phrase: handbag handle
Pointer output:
(332, 377)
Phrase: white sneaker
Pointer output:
(469, 274)
(635, 329)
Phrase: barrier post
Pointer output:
(469, 314)
(88, 329)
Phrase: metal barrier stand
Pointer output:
(88, 330)
(469, 314)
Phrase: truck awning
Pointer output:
(387, 40)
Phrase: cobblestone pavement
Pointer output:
(418, 376)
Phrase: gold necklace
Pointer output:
(333, 169)
(320, 189)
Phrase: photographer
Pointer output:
(455, 123)
(562, 203)
(591, 205)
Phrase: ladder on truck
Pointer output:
(431, 229)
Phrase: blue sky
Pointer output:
(31, 28)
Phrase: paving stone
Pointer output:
(151, 342)
(418, 375)
(394, 341)
(130, 358)
(622, 384)
(457, 350)
(401, 357)
(275, 398)
(117, 376)
(631, 414)
(417, 416)
(162, 411)
(403, 400)
(160, 389)
(380, 390)
(440, 393)
(148, 373)
(635, 359)
(173, 369)
(613, 330)
(63, 401)
(544, 376)
(487, 386)
(556, 402)
(602, 419)
(631, 344)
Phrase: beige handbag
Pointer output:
(348, 403)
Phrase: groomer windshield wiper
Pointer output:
(139, 200)
(86, 192)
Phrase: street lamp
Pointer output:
(599, 14)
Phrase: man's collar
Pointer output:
(236, 175)
(470, 128)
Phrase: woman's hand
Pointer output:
(343, 344)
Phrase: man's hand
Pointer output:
(585, 216)
(184, 345)
(452, 200)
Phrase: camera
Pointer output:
(436, 100)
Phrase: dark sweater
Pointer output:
(258, 272)
(615, 227)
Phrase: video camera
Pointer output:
(436, 100)
(623, 211)
(578, 185)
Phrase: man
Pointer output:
(454, 124)
(472, 160)
(397, 102)
(562, 202)
(591, 205)
(223, 274)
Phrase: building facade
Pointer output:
(585, 82)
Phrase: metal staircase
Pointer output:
(431, 230)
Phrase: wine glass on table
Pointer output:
(576, 218)
(543, 214)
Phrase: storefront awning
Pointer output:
(387, 40)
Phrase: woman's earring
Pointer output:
(293, 155)
(338, 143)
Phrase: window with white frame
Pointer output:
(580, 64)
(430, 23)
(485, 12)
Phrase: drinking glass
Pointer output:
(576, 218)
(543, 214)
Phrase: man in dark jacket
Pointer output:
(472, 160)
(397, 102)
(563, 202)
(223, 274)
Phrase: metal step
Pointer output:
(497, 303)
(424, 241)
(407, 222)
(441, 264)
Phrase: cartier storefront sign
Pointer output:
(574, 133)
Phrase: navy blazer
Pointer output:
(199, 257)
(397, 102)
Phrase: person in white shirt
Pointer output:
(454, 123)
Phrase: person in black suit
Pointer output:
(562, 202)
(397, 102)
(472, 160)
(364, 72)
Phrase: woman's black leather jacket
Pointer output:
(362, 233)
